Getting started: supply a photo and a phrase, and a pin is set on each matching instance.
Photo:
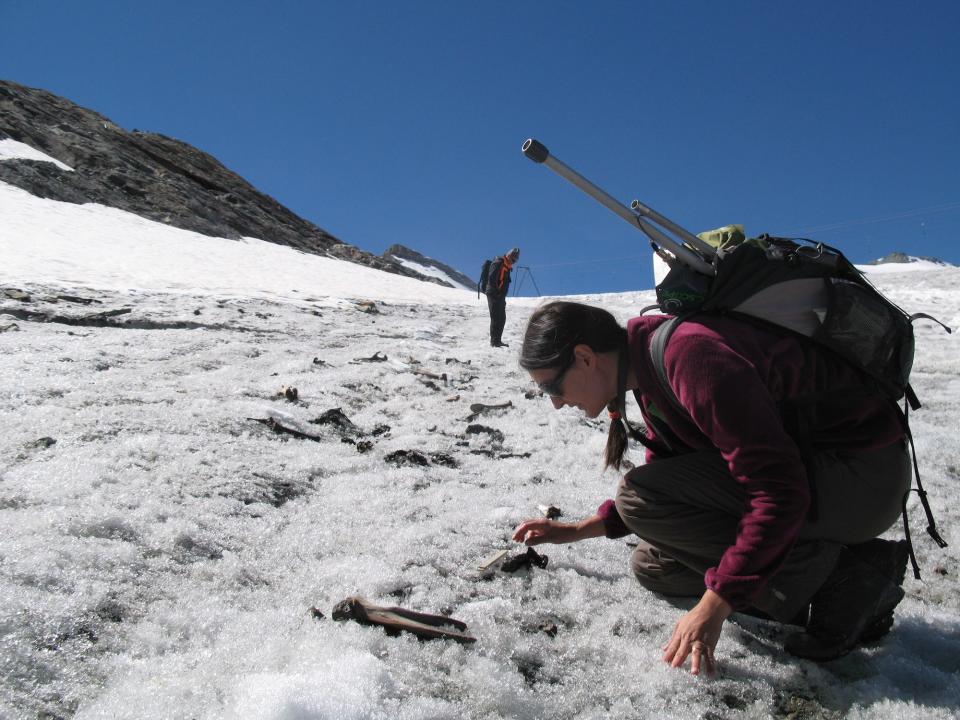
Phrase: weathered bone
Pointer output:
(395, 619)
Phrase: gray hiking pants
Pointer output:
(686, 509)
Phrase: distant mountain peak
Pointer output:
(421, 263)
(899, 257)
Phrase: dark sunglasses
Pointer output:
(552, 387)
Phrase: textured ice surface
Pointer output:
(160, 558)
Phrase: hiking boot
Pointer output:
(498, 344)
(854, 598)
(889, 557)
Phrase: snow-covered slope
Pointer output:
(161, 548)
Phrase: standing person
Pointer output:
(736, 514)
(498, 283)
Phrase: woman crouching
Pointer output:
(751, 498)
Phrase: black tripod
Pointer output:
(524, 272)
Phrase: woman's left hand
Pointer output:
(697, 633)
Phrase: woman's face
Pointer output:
(584, 383)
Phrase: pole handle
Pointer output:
(535, 150)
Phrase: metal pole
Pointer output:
(687, 236)
(536, 152)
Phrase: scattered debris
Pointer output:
(451, 398)
(531, 394)
(493, 559)
(432, 376)
(415, 457)
(440, 458)
(15, 294)
(279, 428)
(364, 446)
(733, 702)
(495, 454)
(481, 408)
(76, 299)
(101, 316)
(478, 409)
(273, 490)
(318, 361)
(495, 435)
(396, 619)
(368, 306)
(940, 570)
(550, 512)
(289, 392)
(376, 357)
(548, 627)
(197, 311)
(454, 360)
(527, 559)
(380, 430)
(42, 444)
(317, 614)
(407, 457)
(337, 418)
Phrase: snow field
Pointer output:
(160, 559)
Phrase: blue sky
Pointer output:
(387, 122)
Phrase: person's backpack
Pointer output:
(809, 289)
(484, 277)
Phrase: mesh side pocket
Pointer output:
(865, 329)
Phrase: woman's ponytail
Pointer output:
(620, 427)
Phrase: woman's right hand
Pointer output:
(542, 530)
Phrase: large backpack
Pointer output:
(809, 289)
(484, 277)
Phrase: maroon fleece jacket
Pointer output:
(733, 378)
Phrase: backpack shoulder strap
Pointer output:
(658, 348)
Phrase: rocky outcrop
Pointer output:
(151, 175)
(402, 252)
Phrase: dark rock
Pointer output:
(733, 702)
(494, 434)
(530, 557)
(377, 357)
(407, 457)
(336, 418)
(444, 459)
(548, 627)
(79, 300)
(43, 443)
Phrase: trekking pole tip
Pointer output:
(535, 151)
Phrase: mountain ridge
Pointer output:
(153, 176)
